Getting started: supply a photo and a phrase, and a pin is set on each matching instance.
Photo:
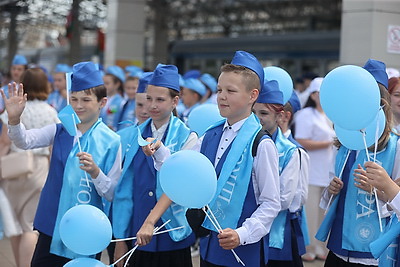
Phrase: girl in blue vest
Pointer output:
(247, 197)
(100, 159)
(139, 188)
(282, 245)
(352, 219)
(114, 79)
(297, 207)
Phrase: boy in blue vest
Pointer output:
(100, 158)
(251, 200)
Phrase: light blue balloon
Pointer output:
(85, 262)
(350, 97)
(354, 140)
(188, 178)
(85, 230)
(202, 117)
(283, 78)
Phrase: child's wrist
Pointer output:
(14, 121)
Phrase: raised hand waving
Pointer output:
(15, 103)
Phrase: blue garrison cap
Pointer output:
(19, 60)
(195, 85)
(294, 102)
(209, 81)
(245, 59)
(63, 68)
(117, 72)
(134, 71)
(143, 82)
(166, 76)
(378, 70)
(195, 74)
(270, 94)
(85, 75)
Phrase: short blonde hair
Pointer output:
(250, 78)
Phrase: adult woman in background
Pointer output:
(314, 132)
(23, 192)
(394, 91)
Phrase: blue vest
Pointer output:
(144, 193)
(126, 115)
(300, 220)
(46, 213)
(109, 115)
(210, 249)
(56, 100)
(283, 221)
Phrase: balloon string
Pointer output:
(130, 252)
(217, 226)
(80, 149)
(374, 189)
(340, 177)
(157, 233)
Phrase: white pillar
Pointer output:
(125, 33)
(365, 32)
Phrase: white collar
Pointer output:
(236, 126)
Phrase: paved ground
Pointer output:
(7, 259)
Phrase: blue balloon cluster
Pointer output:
(283, 78)
(85, 230)
(188, 178)
(202, 117)
(350, 97)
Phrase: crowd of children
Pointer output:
(278, 165)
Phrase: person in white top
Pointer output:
(314, 132)
(23, 192)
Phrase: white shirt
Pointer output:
(325, 199)
(301, 195)
(312, 125)
(265, 178)
(35, 138)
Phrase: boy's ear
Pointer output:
(103, 102)
(287, 115)
(175, 101)
(254, 94)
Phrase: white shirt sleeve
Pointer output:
(323, 204)
(395, 205)
(265, 177)
(289, 180)
(304, 173)
(105, 184)
(162, 153)
(190, 142)
(33, 138)
(304, 122)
